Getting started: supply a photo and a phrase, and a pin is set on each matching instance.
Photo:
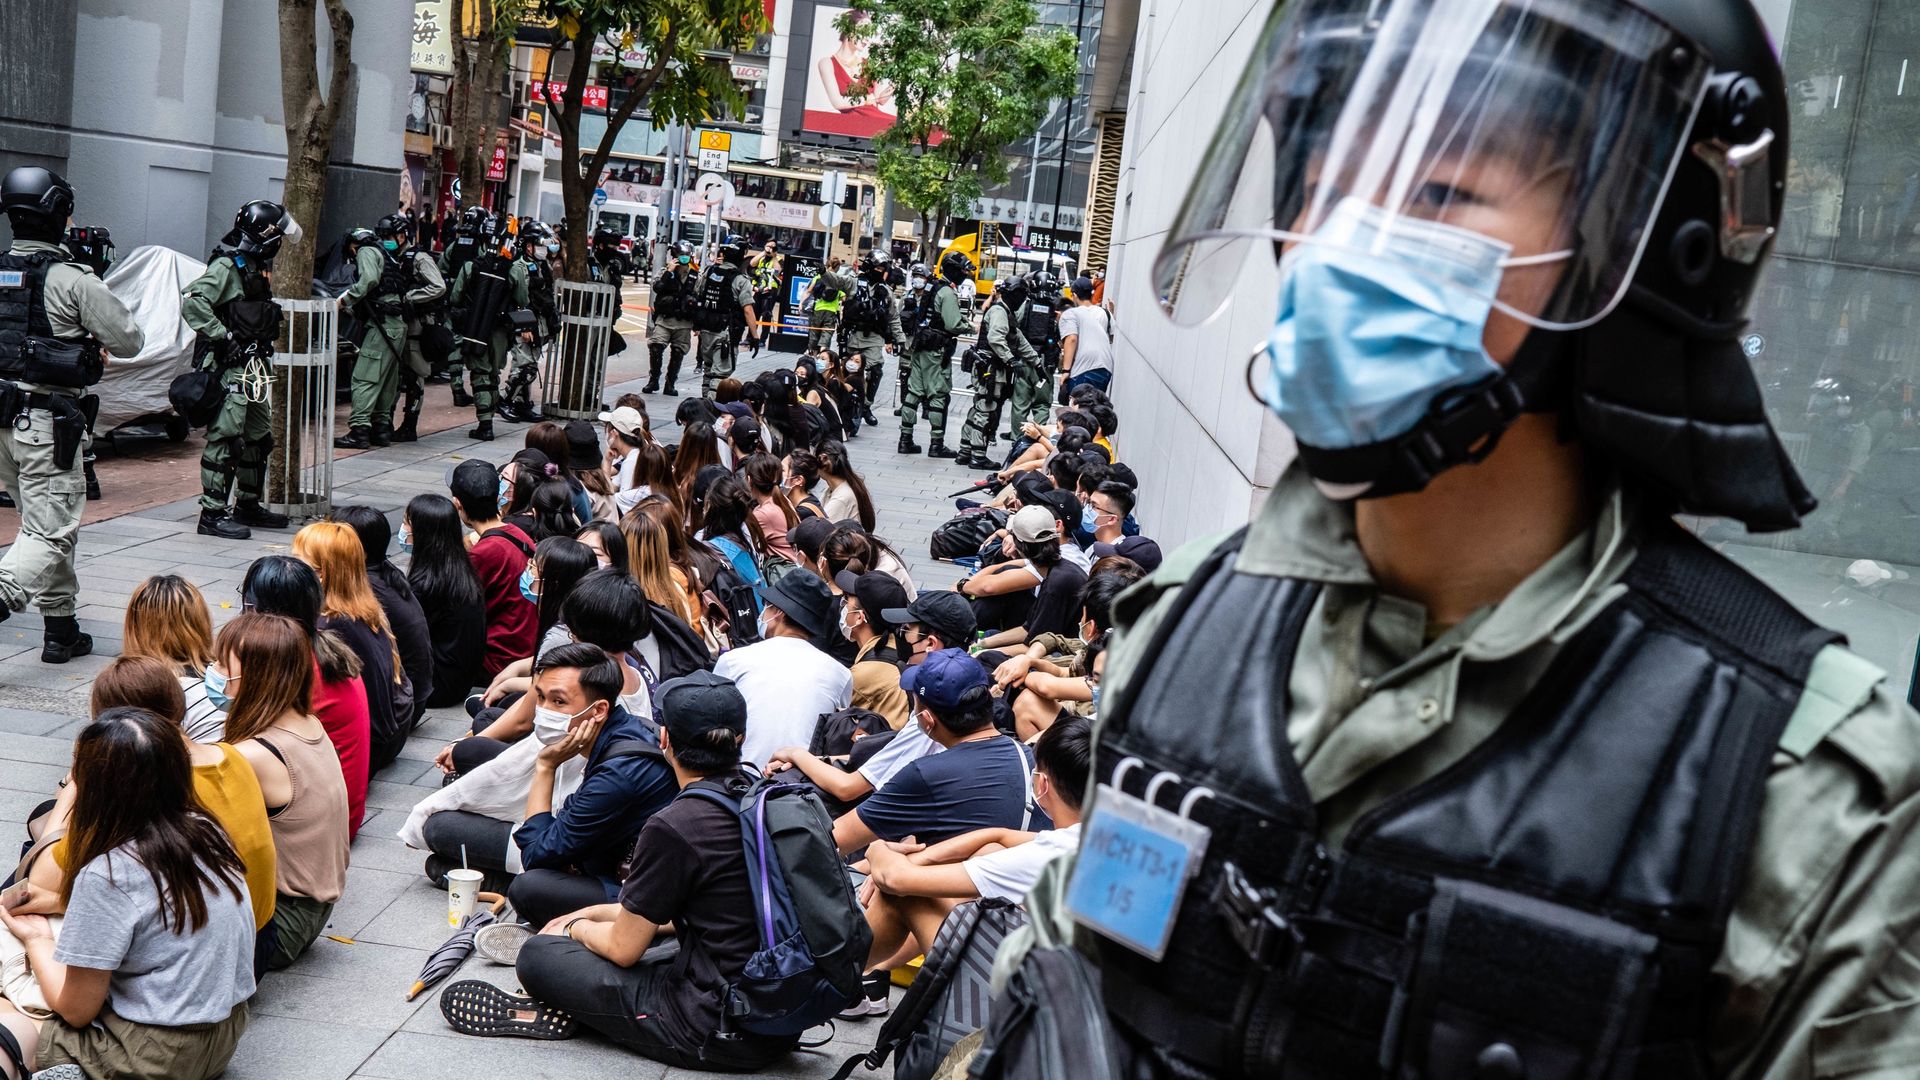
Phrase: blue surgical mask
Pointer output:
(215, 681)
(1375, 325)
(390, 245)
(406, 540)
(506, 493)
(527, 586)
(1089, 519)
(1095, 691)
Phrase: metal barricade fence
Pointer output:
(574, 383)
(300, 469)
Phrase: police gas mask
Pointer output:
(1424, 184)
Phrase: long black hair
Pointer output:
(832, 455)
(284, 585)
(562, 561)
(133, 785)
(611, 538)
(728, 511)
(552, 509)
(440, 572)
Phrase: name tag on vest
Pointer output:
(1132, 871)
(12, 279)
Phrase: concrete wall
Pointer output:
(166, 114)
(1204, 448)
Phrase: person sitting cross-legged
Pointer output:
(913, 886)
(598, 965)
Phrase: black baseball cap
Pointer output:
(943, 612)
(876, 592)
(695, 704)
(1138, 548)
(1065, 506)
(1030, 486)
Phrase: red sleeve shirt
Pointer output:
(341, 708)
(511, 620)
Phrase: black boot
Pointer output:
(354, 439)
(937, 448)
(382, 433)
(461, 398)
(867, 415)
(64, 640)
(484, 432)
(216, 523)
(409, 429)
(93, 482)
(250, 512)
(907, 445)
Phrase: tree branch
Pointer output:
(635, 94)
(340, 21)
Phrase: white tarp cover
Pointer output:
(149, 281)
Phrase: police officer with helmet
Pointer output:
(1464, 759)
(998, 361)
(236, 322)
(870, 324)
(393, 283)
(936, 326)
(490, 291)
(1039, 321)
(56, 321)
(670, 327)
(723, 306)
(463, 250)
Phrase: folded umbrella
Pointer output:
(452, 953)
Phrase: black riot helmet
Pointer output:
(393, 226)
(1014, 291)
(361, 237)
(472, 220)
(259, 229)
(956, 267)
(37, 201)
(877, 266)
(733, 249)
(607, 233)
(1593, 183)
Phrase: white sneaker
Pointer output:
(500, 942)
(863, 1008)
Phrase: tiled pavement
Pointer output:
(341, 1012)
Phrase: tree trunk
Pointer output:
(478, 62)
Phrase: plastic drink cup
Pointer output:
(463, 892)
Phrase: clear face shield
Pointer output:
(1514, 149)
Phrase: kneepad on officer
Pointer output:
(1464, 759)
(56, 321)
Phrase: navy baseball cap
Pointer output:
(697, 703)
(943, 677)
(1138, 548)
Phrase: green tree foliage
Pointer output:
(687, 76)
(969, 79)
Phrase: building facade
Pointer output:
(1835, 336)
(166, 114)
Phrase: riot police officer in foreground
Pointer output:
(231, 310)
(913, 295)
(538, 247)
(936, 326)
(869, 323)
(1464, 759)
(998, 361)
(722, 308)
(670, 328)
(1039, 322)
(56, 321)
(421, 305)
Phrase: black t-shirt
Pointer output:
(387, 701)
(1056, 609)
(689, 869)
(458, 633)
(410, 629)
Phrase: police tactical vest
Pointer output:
(867, 308)
(928, 332)
(29, 351)
(1549, 907)
(714, 308)
(673, 296)
(1041, 327)
(251, 317)
(396, 275)
(540, 290)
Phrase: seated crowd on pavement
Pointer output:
(643, 638)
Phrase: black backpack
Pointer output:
(948, 998)
(962, 535)
(813, 935)
(1048, 1023)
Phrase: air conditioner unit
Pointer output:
(443, 136)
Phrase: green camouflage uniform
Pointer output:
(38, 567)
(432, 286)
(991, 388)
(488, 366)
(240, 435)
(1819, 961)
(870, 346)
(376, 374)
(718, 355)
(1032, 394)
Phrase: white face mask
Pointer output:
(766, 631)
(846, 628)
(551, 725)
(853, 367)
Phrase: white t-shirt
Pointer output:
(623, 472)
(1093, 351)
(908, 745)
(1009, 874)
(841, 504)
(627, 498)
(788, 685)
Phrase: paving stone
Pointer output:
(310, 1048)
